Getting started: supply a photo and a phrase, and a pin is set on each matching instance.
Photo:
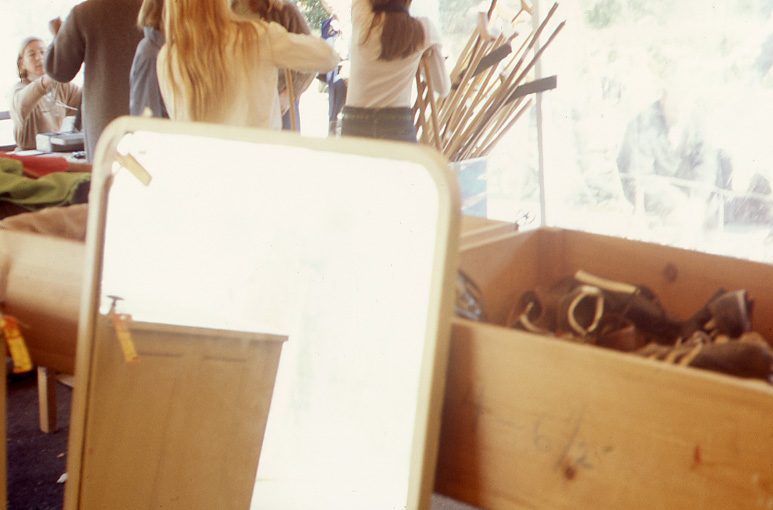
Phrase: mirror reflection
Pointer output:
(335, 250)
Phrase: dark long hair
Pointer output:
(401, 34)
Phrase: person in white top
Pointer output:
(387, 47)
(219, 68)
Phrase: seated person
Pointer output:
(38, 103)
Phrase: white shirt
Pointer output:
(254, 72)
(375, 83)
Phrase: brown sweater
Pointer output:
(101, 35)
(37, 109)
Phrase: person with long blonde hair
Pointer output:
(387, 47)
(221, 68)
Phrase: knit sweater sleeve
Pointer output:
(25, 97)
(70, 95)
(441, 82)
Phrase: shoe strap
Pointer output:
(524, 321)
(585, 291)
(604, 283)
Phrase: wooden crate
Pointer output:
(534, 422)
(41, 285)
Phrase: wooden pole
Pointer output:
(291, 97)
(495, 101)
(431, 99)
(487, 146)
(462, 74)
(420, 108)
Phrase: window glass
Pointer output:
(508, 172)
(658, 127)
(23, 18)
(656, 130)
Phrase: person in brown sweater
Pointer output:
(290, 17)
(101, 35)
(38, 103)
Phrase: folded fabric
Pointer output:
(60, 188)
(38, 166)
(66, 222)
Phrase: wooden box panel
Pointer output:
(42, 278)
(534, 422)
(182, 426)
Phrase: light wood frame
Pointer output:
(429, 399)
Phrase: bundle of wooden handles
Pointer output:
(489, 88)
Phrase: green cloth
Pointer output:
(53, 189)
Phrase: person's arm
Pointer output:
(26, 97)
(66, 52)
(300, 52)
(438, 73)
(296, 24)
(71, 96)
(361, 10)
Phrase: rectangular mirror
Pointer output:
(288, 301)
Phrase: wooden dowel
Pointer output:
(462, 90)
(473, 83)
(291, 97)
(431, 100)
(487, 148)
(421, 108)
(495, 101)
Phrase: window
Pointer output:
(657, 129)
(511, 167)
(28, 18)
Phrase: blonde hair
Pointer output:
(20, 58)
(151, 14)
(197, 34)
(401, 34)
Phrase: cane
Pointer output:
(291, 97)
(431, 100)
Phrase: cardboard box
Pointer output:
(535, 422)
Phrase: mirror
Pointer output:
(287, 299)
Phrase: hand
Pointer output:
(54, 25)
(46, 82)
